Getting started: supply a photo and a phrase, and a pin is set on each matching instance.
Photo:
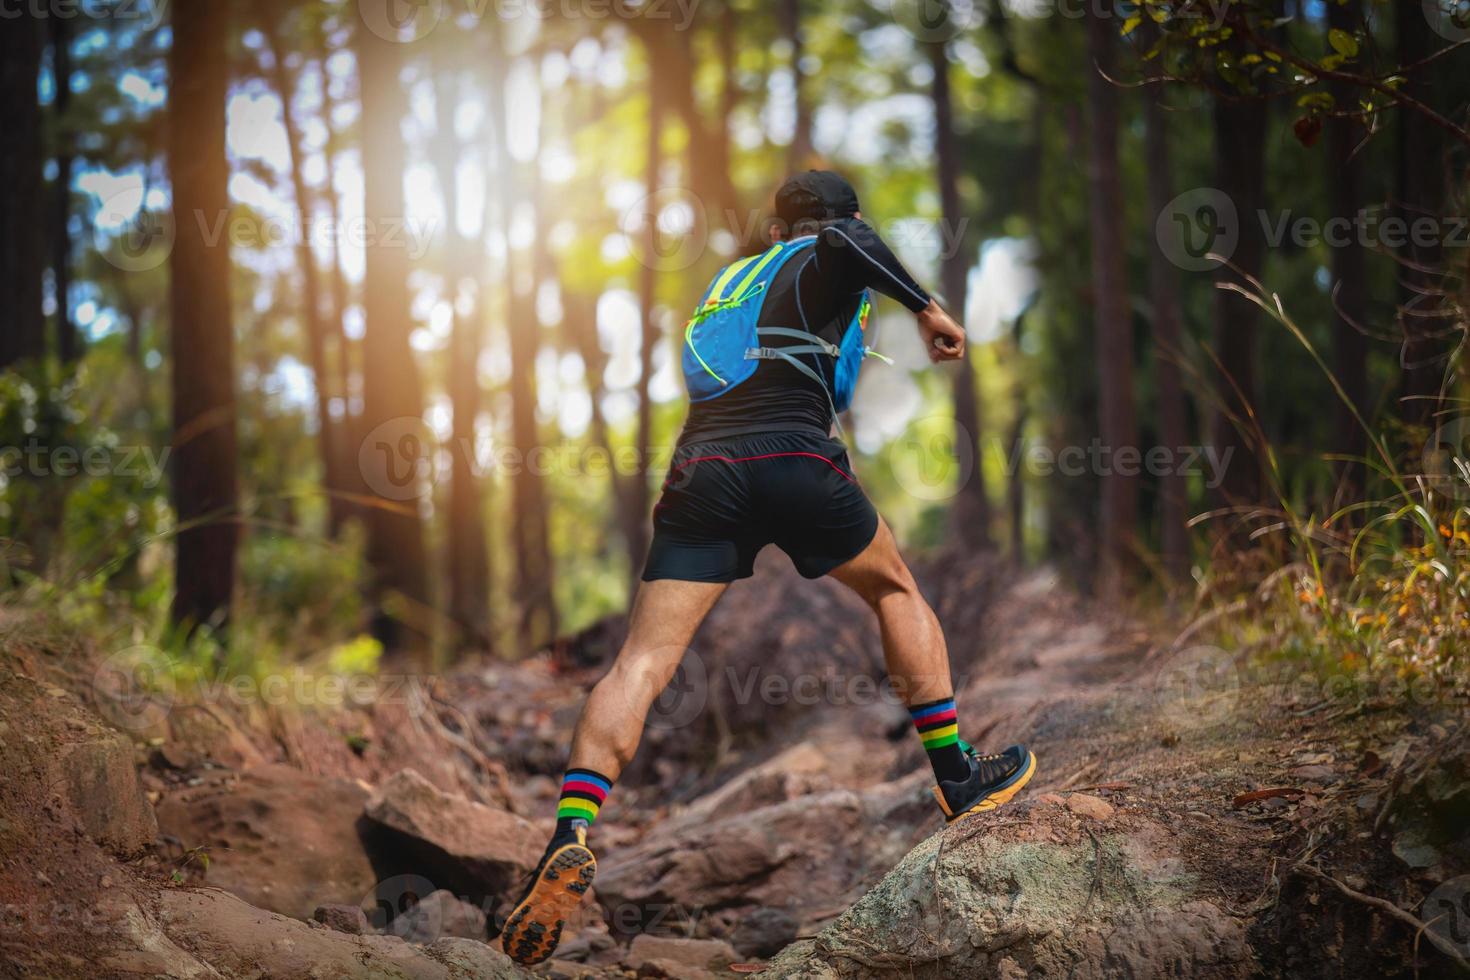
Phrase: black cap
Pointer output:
(819, 194)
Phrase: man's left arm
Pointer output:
(853, 256)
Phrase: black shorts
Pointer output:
(724, 501)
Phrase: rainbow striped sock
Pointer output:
(939, 730)
(582, 794)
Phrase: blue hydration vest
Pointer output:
(723, 345)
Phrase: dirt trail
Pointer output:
(779, 812)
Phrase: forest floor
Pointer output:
(1193, 814)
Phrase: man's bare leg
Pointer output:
(918, 666)
(666, 615)
(913, 644)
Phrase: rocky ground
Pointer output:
(1192, 815)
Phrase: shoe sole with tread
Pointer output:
(534, 927)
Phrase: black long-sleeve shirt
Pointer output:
(818, 291)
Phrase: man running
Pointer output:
(757, 465)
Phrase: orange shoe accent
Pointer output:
(994, 799)
(534, 927)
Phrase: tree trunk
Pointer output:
(1421, 193)
(972, 511)
(799, 153)
(469, 566)
(21, 245)
(640, 500)
(706, 153)
(728, 45)
(1016, 485)
(393, 401)
(1350, 277)
(533, 592)
(284, 81)
(1240, 173)
(1118, 425)
(1168, 343)
(206, 491)
(68, 342)
(340, 351)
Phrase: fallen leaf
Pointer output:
(1257, 795)
(1316, 774)
(1090, 806)
(1400, 752)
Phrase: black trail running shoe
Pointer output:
(994, 779)
(557, 886)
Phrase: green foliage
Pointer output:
(1381, 588)
(304, 591)
(1396, 610)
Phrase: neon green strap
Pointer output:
(711, 307)
(717, 292)
(750, 277)
(689, 339)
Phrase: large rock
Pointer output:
(1044, 895)
(478, 852)
(777, 856)
(58, 757)
(278, 837)
(342, 918)
(236, 940)
(686, 955)
(764, 932)
(103, 791)
(137, 944)
(804, 769)
(439, 915)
